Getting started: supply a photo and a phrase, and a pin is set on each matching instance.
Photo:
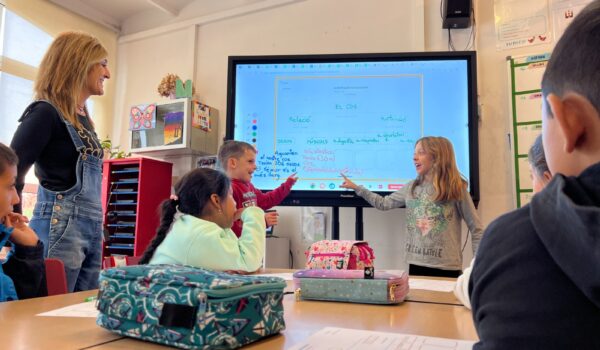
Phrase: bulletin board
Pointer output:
(525, 74)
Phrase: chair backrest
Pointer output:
(112, 261)
(56, 278)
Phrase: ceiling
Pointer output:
(112, 13)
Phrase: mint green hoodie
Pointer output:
(200, 243)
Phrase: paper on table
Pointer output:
(421, 283)
(87, 309)
(393, 272)
(288, 276)
(343, 338)
(434, 285)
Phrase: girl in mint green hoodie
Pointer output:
(195, 227)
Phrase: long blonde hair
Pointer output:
(447, 180)
(63, 72)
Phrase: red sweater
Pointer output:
(245, 195)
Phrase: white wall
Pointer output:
(304, 27)
(148, 20)
(313, 27)
(495, 157)
(307, 27)
(141, 65)
(332, 26)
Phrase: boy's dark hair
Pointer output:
(193, 191)
(537, 157)
(232, 149)
(575, 61)
(8, 157)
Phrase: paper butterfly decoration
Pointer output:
(142, 117)
(183, 90)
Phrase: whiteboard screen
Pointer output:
(322, 117)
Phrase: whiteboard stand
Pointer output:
(335, 223)
(358, 225)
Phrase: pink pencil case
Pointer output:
(351, 286)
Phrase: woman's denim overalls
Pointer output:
(69, 222)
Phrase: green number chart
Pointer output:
(526, 108)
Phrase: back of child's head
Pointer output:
(575, 61)
(8, 158)
(537, 158)
(192, 194)
(447, 181)
(232, 149)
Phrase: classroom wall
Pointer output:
(54, 19)
(313, 27)
(329, 26)
(495, 156)
(142, 64)
(300, 27)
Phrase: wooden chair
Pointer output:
(112, 261)
(56, 277)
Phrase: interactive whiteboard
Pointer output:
(318, 116)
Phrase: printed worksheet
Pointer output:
(288, 276)
(331, 338)
(434, 285)
(87, 309)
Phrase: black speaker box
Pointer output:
(456, 13)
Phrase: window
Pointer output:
(22, 47)
(15, 95)
(23, 41)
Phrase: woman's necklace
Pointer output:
(81, 110)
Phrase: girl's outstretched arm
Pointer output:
(469, 215)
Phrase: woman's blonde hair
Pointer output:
(63, 71)
(447, 180)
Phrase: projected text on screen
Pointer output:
(362, 119)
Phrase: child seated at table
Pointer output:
(22, 275)
(195, 227)
(534, 284)
(540, 176)
(238, 160)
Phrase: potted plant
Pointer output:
(111, 152)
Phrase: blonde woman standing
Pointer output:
(57, 136)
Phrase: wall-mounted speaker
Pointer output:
(456, 13)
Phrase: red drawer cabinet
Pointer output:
(132, 190)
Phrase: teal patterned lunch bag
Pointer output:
(188, 307)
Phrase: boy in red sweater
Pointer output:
(238, 159)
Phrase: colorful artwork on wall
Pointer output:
(200, 116)
(173, 128)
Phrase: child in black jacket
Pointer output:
(536, 282)
(22, 275)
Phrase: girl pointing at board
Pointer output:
(436, 202)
